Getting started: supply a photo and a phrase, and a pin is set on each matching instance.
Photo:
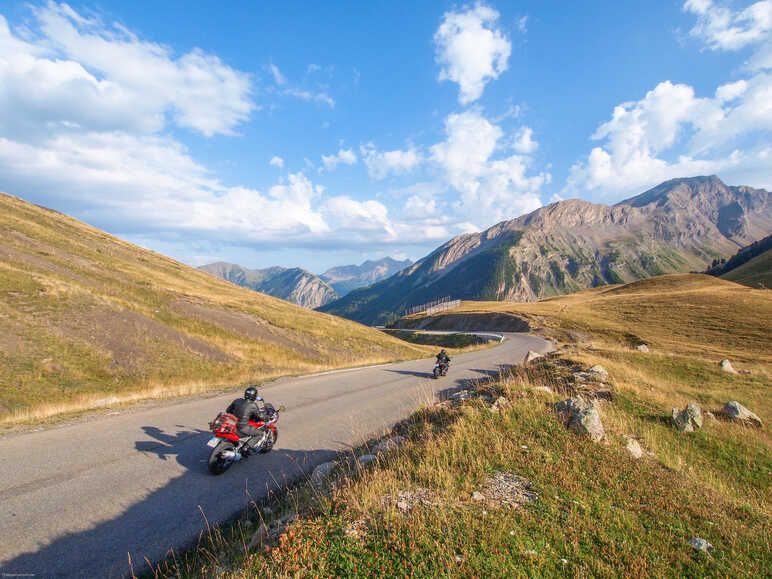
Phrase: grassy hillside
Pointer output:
(756, 272)
(87, 318)
(600, 512)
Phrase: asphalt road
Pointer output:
(76, 500)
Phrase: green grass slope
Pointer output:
(600, 512)
(756, 272)
(86, 317)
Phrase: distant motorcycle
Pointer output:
(228, 447)
(440, 369)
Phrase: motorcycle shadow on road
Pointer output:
(173, 515)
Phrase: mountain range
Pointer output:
(679, 226)
(294, 284)
(345, 279)
(302, 287)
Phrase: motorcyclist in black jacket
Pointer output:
(251, 407)
(442, 357)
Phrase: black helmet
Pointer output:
(443, 351)
(251, 393)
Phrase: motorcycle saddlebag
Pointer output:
(224, 423)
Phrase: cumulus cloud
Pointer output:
(470, 50)
(490, 188)
(643, 138)
(523, 142)
(671, 132)
(381, 164)
(276, 162)
(78, 70)
(342, 157)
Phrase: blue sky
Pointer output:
(321, 134)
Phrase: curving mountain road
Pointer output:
(77, 499)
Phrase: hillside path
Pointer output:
(77, 499)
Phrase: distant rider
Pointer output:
(443, 358)
(251, 407)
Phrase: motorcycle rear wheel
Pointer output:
(217, 463)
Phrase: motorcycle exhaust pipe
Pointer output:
(232, 455)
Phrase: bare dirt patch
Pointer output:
(252, 327)
(129, 337)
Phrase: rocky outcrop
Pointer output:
(679, 226)
(727, 367)
(687, 420)
(733, 410)
(581, 416)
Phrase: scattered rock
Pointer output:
(708, 414)
(366, 459)
(581, 416)
(634, 448)
(321, 473)
(642, 348)
(726, 366)
(499, 405)
(599, 371)
(408, 500)
(530, 553)
(531, 356)
(687, 420)
(460, 396)
(389, 444)
(506, 489)
(700, 544)
(259, 537)
(355, 529)
(595, 374)
(546, 389)
(733, 410)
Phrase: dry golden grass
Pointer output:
(85, 316)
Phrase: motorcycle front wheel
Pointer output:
(436, 372)
(218, 463)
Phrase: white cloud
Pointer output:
(642, 135)
(276, 162)
(343, 156)
(278, 77)
(94, 76)
(673, 133)
(490, 189)
(470, 50)
(320, 97)
(524, 142)
(522, 25)
(723, 29)
(382, 164)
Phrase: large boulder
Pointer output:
(388, 444)
(687, 420)
(581, 416)
(733, 410)
(726, 366)
(531, 356)
(321, 473)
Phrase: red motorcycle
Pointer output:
(228, 447)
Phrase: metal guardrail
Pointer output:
(433, 307)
